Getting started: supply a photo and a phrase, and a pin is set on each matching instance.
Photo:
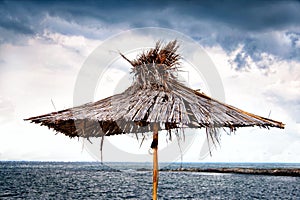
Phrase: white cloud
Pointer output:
(253, 92)
(46, 68)
(32, 75)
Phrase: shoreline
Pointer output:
(237, 170)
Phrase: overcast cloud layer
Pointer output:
(259, 26)
(255, 44)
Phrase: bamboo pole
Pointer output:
(155, 161)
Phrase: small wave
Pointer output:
(8, 195)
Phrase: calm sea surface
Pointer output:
(57, 180)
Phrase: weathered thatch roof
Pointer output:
(156, 96)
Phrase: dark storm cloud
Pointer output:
(226, 23)
(244, 15)
(16, 26)
(248, 15)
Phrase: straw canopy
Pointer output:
(156, 97)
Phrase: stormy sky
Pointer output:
(254, 44)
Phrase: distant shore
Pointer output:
(252, 171)
(271, 169)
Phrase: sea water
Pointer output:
(59, 180)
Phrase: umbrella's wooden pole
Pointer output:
(155, 161)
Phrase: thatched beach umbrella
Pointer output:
(155, 101)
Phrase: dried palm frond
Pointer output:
(155, 97)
